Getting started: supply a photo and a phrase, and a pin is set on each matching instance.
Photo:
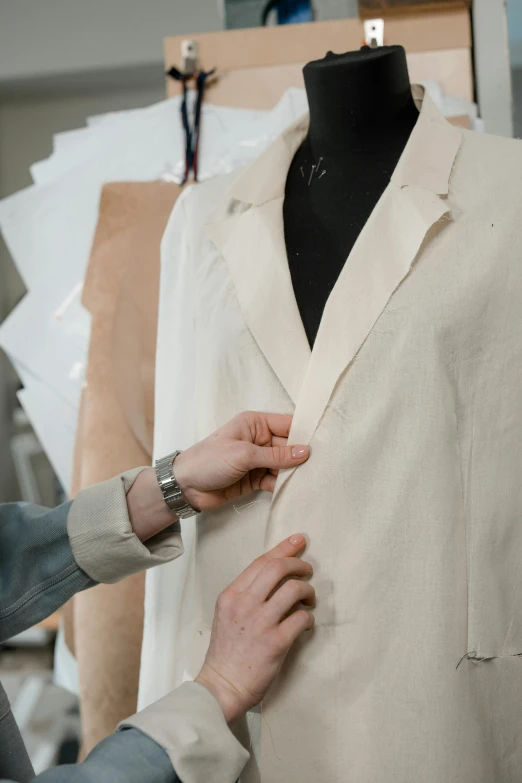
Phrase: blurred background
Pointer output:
(62, 61)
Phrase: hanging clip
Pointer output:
(374, 33)
(189, 57)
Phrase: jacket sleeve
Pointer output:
(190, 725)
(185, 731)
(46, 556)
(126, 757)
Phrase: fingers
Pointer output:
(277, 457)
(260, 479)
(274, 572)
(292, 592)
(290, 547)
(268, 482)
(298, 622)
(263, 425)
(265, 478)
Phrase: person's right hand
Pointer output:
(253, 630)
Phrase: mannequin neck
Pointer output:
(359, 100)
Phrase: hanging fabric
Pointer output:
(191, 130)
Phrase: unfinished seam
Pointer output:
(474, 658)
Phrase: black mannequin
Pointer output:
(361, 116)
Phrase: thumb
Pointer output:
(279, 457)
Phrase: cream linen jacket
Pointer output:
(412, 499)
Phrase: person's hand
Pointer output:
(244, 455)
(253, 629)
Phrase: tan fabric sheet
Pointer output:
(115, 431)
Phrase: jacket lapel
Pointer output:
(381, 258)
(253, 245)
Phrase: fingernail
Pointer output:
(298, 452)
(297, 539)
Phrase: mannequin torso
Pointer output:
(361, 116)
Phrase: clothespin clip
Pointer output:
(189, 57)
(374, 33)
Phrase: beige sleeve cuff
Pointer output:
(102, 540)
(189, 724)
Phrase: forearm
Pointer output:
(125, 757)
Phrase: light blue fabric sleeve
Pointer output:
(126, 757)
(38, 573)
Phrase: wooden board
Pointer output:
(261, 88)
(256, 66)
(452, 69)
(385, 8)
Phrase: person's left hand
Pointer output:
(242, 456)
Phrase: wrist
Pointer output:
(148, 512)
(228, 697)
(184, 476)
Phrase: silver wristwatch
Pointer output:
(174, 497)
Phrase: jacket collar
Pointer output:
(426, 162)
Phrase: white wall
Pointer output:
(51, 38)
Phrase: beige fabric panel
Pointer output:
(261, 87)
(121, 291)
(371, 8)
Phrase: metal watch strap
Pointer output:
(172, 494)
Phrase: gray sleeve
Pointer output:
(38, 572)
(126, 757)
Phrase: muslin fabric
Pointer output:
(412, 498)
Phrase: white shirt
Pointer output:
(412, 498)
